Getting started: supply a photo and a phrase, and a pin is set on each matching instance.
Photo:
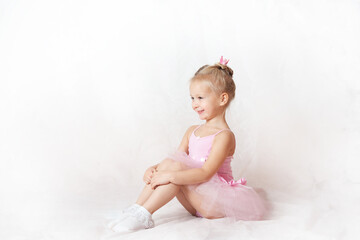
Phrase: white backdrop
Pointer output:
(92, 92)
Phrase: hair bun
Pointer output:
(227, 69)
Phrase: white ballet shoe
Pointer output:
(140, 219)
(131, 209)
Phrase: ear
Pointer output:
(224, 98)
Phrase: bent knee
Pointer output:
(169, 164)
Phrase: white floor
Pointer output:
(83, 217)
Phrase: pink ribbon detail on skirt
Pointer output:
(232, 182)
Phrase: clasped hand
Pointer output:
(156, 178)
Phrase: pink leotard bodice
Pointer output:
(199, 150)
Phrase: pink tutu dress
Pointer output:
(232, 198)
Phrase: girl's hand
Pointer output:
(160, 178)
(148, 175)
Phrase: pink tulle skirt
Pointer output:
(231, 199)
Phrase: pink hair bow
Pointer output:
(224, 61)
(232, 183)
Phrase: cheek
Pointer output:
(193, 105)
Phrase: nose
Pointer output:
(195, 104)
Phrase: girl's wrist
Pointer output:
(172, 177)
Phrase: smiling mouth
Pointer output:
(200, 112)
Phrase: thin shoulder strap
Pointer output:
(196, 128)
(221, 131)
(193, 133)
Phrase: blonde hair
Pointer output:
(219, 77)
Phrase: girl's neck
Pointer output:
(218, 121)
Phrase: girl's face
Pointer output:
(204, 100)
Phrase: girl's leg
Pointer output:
(147, 190)
(164, 193)
(185, 202)
(149, 201)
(195, 200)
(145, 194)
(161, 195)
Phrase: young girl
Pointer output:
(199, 175)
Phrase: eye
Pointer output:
(192, 98)
(200, 98)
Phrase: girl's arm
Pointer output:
(184, 145)
(223, 146)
